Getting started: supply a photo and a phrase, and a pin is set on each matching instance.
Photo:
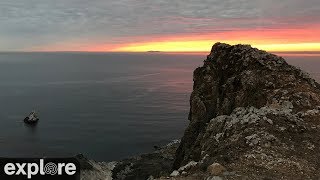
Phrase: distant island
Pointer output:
(154, 51)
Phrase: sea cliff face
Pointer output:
(253, 113)
(252, 116)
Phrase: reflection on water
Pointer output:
(31, 128)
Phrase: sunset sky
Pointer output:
(159, 25)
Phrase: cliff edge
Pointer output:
(254, 115)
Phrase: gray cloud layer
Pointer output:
(32, 23)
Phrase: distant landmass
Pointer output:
(154, 51)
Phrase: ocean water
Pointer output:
(105, 105)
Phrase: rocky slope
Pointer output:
(155, 164)
(91, 170)
(254, 114)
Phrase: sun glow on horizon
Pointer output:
(290, 39)
(205, 46)
(279, 40)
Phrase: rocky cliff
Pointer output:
(253, 113)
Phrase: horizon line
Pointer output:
(148, 52)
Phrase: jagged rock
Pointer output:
(255, 113)
(174, 173)
(312, 112)
(188, 166)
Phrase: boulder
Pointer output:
(216, 169)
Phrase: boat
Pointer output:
(32, 119)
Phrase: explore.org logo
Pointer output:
(48, 168)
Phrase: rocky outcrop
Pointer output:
(155, 164)
(91, 170)
(254, 114)
(144, 166)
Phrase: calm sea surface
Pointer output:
(106, 106)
